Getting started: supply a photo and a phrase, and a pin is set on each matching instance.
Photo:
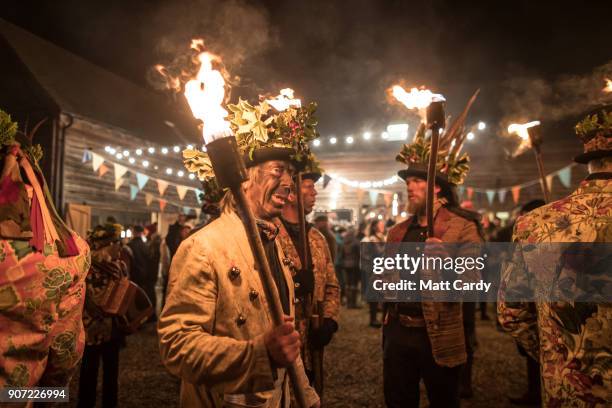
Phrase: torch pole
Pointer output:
(435, 121)
(303, 252)
(535, 138)
(230, 172)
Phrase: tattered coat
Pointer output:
(211, 330)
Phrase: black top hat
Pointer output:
(595, 132)
(420, 170)
(264, 154)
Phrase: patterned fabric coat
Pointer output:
(326, 287)
(41, 299)
(99, 327)
(211, 330)
(572, 341)
(444, 320)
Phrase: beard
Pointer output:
(416, 208)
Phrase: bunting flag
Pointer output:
(118, 183)
(181, 191)
(502, 194)
(96, 161)
(198, 193)
(133, 191)
(102, 170)
(516, 192)
(198, 212)
(187, 210)
(326, 180)
(162, 204)
(388, 197)
(470, 193)
(148, 199)
(373, 197)
(86, 155)
(141, 180)
(549, 183)
(565, 176)
(460, 190)
(490, 196)
(161, 187)
(119, 171)
(360, 194)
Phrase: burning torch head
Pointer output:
(435, 115)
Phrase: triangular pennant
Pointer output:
(148, 198)
(388, 197)
(549, 182)
(565, 176)
(516, 192)
(133, 191)
(161, 186)
(187, 210)
(373, 197)
(119, 170)
(96, 161)
(326, 180)
(118, 183)
(470, 193)
(181, 191)
(502, 194)
(86, 156)
(162, 204)
(141, 180)
(102, 170)
(490, 196)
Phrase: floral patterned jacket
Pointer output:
(41, 300)
(572, 341)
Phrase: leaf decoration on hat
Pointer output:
(588, 127)
(449, 160)
(199, 163)
(8, 129)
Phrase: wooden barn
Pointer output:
(112, 148)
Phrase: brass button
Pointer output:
(297, 285)
(234, 272)
(287, 262)
(253, 294)
(240, 320)
(296, 300)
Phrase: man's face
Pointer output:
(309, 195)
(417, 194)
(269, 187)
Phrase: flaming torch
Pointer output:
(608, 87)
(205, 94)
(531, 137)
(431, 110)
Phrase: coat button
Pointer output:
(287, 262)
(296, 300)
(297, 285)
(240, 320)
(234, 272)
(253, 294)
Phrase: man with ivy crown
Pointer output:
(571, 340)
(216, 330)
(316, 286)
(427, 339)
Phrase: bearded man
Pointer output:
(215, 329)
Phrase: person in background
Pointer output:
(173, 238)
(321, 223)
(140, 272)
(350, 266)
(340, 273)
(153, 245)
(375, 235)
(43, 268)
(103, 337)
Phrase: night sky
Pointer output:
(527, 57)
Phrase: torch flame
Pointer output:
(416, 98)
(608, 87)
(205, 94)
(284, 100)
(523, 133)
